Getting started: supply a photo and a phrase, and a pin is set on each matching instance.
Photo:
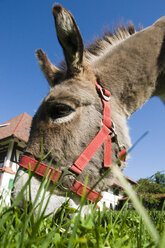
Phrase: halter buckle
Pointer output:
(105, 94)
(65, 173)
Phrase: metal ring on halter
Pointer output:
(106, 98)
(121, 147)
(113, 128)
(65, 173)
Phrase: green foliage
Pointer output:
(151, 189)
(149, 186)
(159, 178)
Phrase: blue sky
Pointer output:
(28, 25)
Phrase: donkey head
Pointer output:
(70, 116)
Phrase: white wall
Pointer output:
(6, 176)
(109, 200)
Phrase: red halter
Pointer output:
(103, 136)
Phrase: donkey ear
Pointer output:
(70, 39)
(47, 67)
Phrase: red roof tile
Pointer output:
(130, 180)
(158, 195)
(7, 169)
(18, 127)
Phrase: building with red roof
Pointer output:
(14, 135)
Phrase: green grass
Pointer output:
(123, 228)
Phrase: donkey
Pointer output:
(128, 64)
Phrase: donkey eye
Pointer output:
(59, 111)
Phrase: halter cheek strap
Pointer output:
(103, 136)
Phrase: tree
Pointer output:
(150, 189)
(149, 186)
(160, 178)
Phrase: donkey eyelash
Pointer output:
(65, 118)
(58, 111)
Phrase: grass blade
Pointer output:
(137, 205)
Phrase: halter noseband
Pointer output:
(103, 136)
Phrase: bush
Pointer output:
(150, 192)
